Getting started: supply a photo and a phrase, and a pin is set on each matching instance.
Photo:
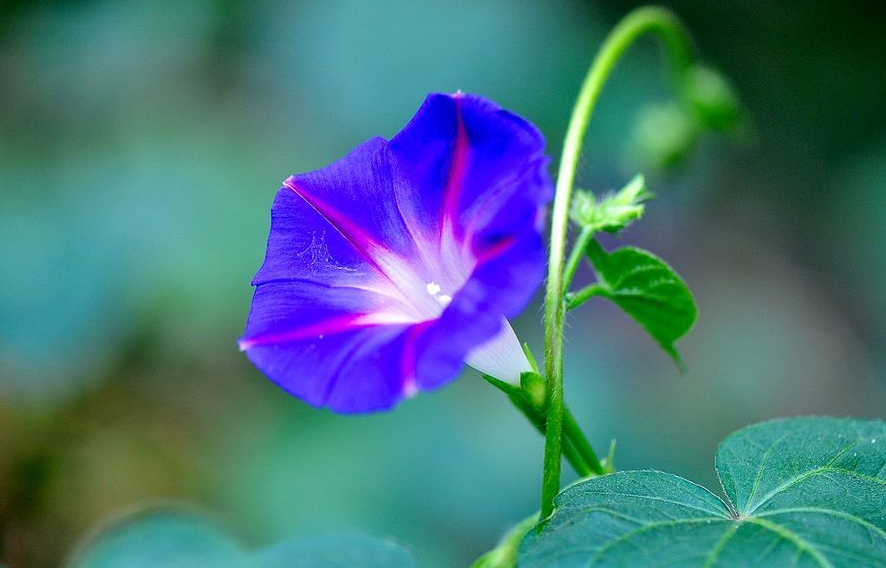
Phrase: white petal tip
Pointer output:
(501, 357)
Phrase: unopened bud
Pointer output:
(711, 98)
(664, 135)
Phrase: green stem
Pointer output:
(676, 41)
(577, 438)
(575, 458)
(536, 417)
(578, 298)
(575, 256)
(571, 450)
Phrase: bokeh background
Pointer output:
(141, 144)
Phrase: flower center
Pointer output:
(434, 290)
(428, 282)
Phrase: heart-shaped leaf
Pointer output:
(803, 492)
(174, 539)
(336, 551)
(647, 289)
(161, 538)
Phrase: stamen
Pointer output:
(434, 290)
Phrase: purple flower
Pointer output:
(390, 268)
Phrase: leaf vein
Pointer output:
(798, 541)
(806, 475)
(833, 512)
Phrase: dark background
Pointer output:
(141, 144)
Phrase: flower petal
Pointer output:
(339, 225)
(387, 268)
(496, 215)
(355, 371)
(468, 157)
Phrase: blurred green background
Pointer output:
(141, 144)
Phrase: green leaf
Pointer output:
(176, 539)
(346, 550)
(614, 212)
(171, 539)
(802, 492)
(647, 289)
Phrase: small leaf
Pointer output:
(802, 492)
(613, 212)
(176, 539)
(647, 289)
(609, 461)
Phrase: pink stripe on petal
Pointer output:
(358, 238)
(495, 250)
(393, 268)
(452, 193)
(327, 327)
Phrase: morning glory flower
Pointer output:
(389, 269)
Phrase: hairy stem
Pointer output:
(571, 448)
(677, 45)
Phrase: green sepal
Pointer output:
(533, 388)
(507, 388)
(529, 397)
(519, 399)
(530, 357)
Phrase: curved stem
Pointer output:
(578, 298)
(677, 45)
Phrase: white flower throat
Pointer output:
(434, 290)
(501, 356)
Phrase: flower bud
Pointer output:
(711, 99)
(664, 135)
